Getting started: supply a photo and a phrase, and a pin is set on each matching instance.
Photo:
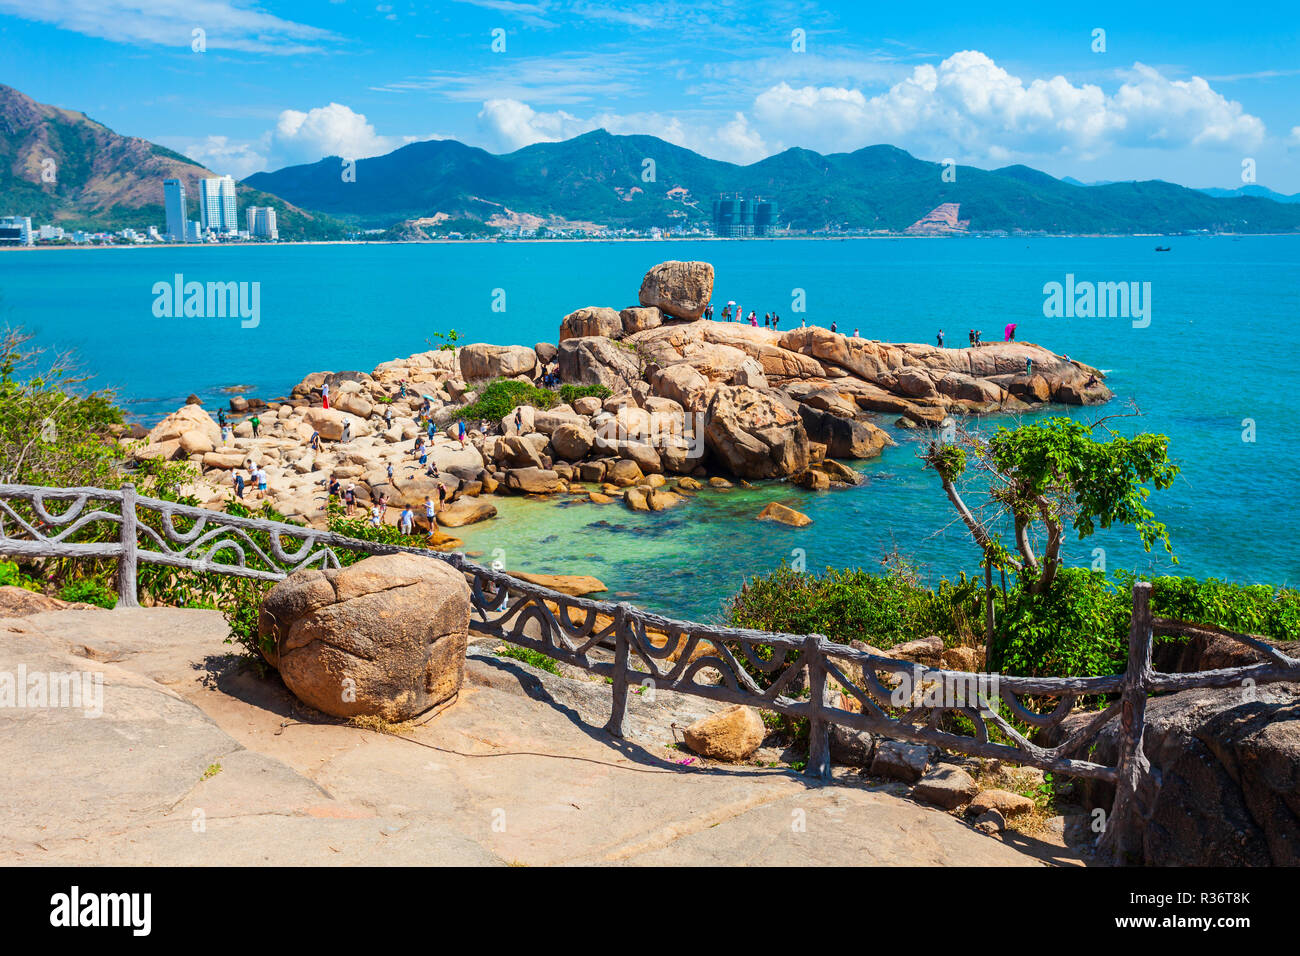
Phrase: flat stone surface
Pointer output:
(516, 770)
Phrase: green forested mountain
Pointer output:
(604, 179)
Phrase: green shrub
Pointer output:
(529, 656)
(571, 393)
(499, 398)
(12, 576)
(1080, 628)
(88, 591)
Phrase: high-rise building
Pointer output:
(217, 205)
(177, 217)
(261, 222)
(16, 231)
(737, 218)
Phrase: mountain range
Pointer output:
(105, 180)
(605, 179)
(61, 167)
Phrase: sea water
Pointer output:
(1208, 364)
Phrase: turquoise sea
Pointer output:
(1217, 353)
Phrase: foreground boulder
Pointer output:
(1229, 764)
(732, 734)
(679, 289)
(385, 637)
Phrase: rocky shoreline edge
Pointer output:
(670, 402)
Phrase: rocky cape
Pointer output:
(693, 401)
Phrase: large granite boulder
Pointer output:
(843, 437)
(385, 637)
(754, 434)
(640, 318)
(680, 289)
(572, 441)
(495, 361)
(681, 383)
(1229, 764)
(591, 320)
(595, 360)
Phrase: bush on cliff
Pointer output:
(1080, 628)
(499, 398)
(50, 434)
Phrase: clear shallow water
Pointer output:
(1217, 351)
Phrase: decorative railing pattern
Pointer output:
(677, 655)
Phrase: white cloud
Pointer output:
(226, 158)
(169, 23)
(297, 137)
(333, 130)
(968, 101)
(1295, 136)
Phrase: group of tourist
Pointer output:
(731, 312)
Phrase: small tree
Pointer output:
(49, 435)
(1045, 477)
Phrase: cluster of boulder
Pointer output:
(692, 401)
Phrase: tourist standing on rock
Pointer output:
(834, 327)
(405, 520)
(461, 430)
(1029, 366)
(325, 394)
(388, 416)
(261, 481)
(334, 487)
(315, 441)
(347, 432)
(377, 515)
(519, 420)
(753, 318)
(350, 498)
(221, 417)
(239, 486)
(430, 510)
(940, 338)
(424, 454)
(256, 423)
(855, 333)
(430, 429)
(971, 336)
(227, 433)
(390, 472)
(442, 496)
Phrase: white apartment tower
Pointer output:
(217, 205)
(261, 222)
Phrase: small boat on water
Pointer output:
(1163, 248)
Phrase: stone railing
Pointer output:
(800, 675)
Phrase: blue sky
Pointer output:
(1183, 92)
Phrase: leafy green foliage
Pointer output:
(571, 393)
(1079, 628)
(12, 576)
(500, 397)
(88, 591)
(529, 656)
(49, 434)
(1099, 482)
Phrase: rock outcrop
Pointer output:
(384, 637)
(679, 289)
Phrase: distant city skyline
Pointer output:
(1188, 93)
